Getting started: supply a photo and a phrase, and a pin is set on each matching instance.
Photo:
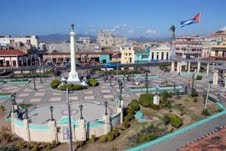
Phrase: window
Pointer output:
(157, 55)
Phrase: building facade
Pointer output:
(16, 58)
(142, 56)
(28, 41)
(127, 54)
(188, 47)
(163, 52)
(218, 51)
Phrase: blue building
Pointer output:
(104, 58)
(142, 56)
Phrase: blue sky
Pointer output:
(150, 18)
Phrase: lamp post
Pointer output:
(120, 92)
(146, 80)
(34, 85)
(106, 105)
(192, 84)
(13, 101)
(26, 114)
(110, 80)
(69, 121)
(207, 95)
(51, 111)
(40, 71)
(81, 107)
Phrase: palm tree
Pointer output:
(173, 30)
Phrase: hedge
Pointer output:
(146, 100)
(134, 104)
(175, 121)
(199, 77)
(71, 87)
(93, 82)
(55, 83)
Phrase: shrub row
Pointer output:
(110, 136)
(93, 82)
(71, 87)
(55, 83)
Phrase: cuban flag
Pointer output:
(195, 19)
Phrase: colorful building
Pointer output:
(142, 56)
(218, 51)
(127, 54)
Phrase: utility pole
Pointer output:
(69, 119)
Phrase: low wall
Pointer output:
(81, 130)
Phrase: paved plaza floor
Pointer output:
(44, 94)
(41, 114)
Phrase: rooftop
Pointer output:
(12, 52)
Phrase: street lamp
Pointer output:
(40, 72)
(106, 104)
(120, 92)
(13, 101)
(51, 111)
(192, 84)
(34, 85)
(81, 107)
(26, 114)
(69, 121)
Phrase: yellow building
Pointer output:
(127, 55)
(218, 51)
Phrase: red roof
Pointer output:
(12, 52)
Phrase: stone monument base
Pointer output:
(73, 78)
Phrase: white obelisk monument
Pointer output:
(73, 75)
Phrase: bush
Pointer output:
(195, 100)
(103, 139)
(130, 111)
(134, 104)
(126, 124)
(205, 112)
(194, 93)
(110, 136)
(93, 138)
(115, 132)
(93, 82)
(166, 119)
(165, 95)
(199, 77)
(175, 121)
(55, 83)
(129, 117)
(146, 100)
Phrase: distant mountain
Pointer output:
(61, 37)
(145, 39)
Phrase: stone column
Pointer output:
(215, 77)
(107, 125)
(52, 131)
(186, 66)
(120, 110)
(224, 82)
(13, 115)
(172, 66)
(189, 67)
(82, 130)
(73, 75)
(26, 130)
(164, 57)
(208, 68)
(178, 67)
(198, 67)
